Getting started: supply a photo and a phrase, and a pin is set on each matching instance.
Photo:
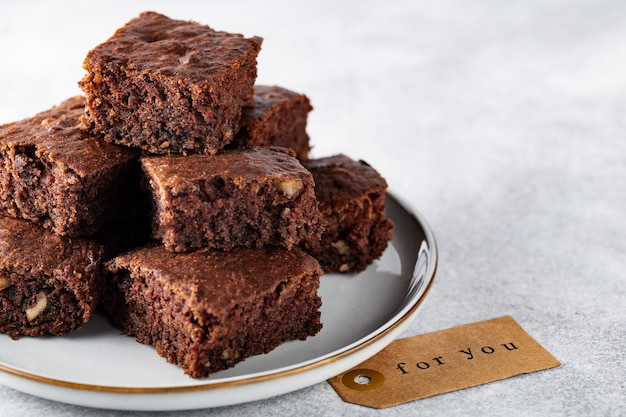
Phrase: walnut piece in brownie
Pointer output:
(351, 197)
(207, 310)
(169, 86)
(277, 117)
(49, 284)
(54, 173)
(245, 197)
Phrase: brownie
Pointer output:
(244, 197)
(54, 173)
(169, 86)
(49, 284)
(209, 309)
(351, 197)
(277, 117)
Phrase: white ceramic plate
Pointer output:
(97, 367)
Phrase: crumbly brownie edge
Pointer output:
(355, 236)
(254, 216)
(54, 196)
(168, 119)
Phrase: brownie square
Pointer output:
(169, 86)
(245, 197)
(351, 197)
(49, 284)
(207, 310)
(277, 117)
(54, 173)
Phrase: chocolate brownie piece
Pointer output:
(207, 310)
(169, 86)
(54, 173)
(351, 197)
(245, 197)
(49, 284)
(277, 117)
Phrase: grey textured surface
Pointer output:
(502, 122)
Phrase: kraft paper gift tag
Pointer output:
(443, 361)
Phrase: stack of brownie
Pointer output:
(180, 197)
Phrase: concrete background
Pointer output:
(502, 122)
